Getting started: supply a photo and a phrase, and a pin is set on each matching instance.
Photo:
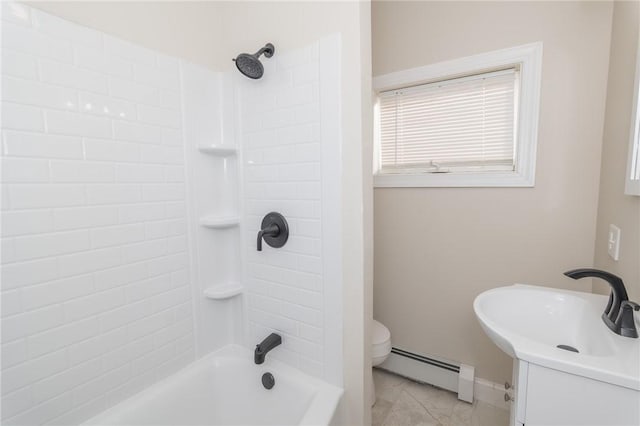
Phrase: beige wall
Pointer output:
(211, 34)
(437, 248)
(190, 30)
(615, 207)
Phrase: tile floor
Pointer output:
(402, 402)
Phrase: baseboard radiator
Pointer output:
(456, 378)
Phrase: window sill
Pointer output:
(454, 180)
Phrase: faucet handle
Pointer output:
(625, 321)
(274, 230)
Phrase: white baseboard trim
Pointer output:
(490, 392)
(448, 378)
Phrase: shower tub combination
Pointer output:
(225, 388)
(182, 153)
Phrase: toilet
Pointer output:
(380, 349)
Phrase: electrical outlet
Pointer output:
(613, 242)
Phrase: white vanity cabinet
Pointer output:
(545, 397)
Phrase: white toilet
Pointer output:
(380, 349)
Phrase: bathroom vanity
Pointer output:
(544, 396)
(569, 368)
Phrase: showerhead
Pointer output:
(250, 65)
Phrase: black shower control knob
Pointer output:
(274, 230)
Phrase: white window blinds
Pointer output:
(462, 124)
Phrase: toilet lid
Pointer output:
(379, 333)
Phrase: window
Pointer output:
(456, 125)
(469, 122)
(632, 186)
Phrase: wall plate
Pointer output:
(613, 242)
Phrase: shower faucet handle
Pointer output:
(274, 230)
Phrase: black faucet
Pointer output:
(265, 346)
(618, 314)
(625, 320)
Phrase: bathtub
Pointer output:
(225, 388)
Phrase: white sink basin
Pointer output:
(529, 322)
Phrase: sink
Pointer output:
(559, 329)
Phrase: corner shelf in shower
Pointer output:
(219, 222)
(218, 151)
(223, 291)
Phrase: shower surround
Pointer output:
(96, 295)
(113, 264)
(291, 148)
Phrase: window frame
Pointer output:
(529, 60)
(632, 186)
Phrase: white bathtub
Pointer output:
(225, 388)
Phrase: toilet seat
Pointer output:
(380, 343)
(380, 350)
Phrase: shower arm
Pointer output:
(260, 52)
(267, 50)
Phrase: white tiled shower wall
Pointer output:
(96, 300)
(281, 131)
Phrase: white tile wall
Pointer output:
(280, 131)
(96, 298)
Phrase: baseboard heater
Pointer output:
(454, 377)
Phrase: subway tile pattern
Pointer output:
(280, 131)
(96, 299)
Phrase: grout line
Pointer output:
(44, 108)
(122, 245)
(75, 45)
(60, 278)
(66, 347)
(289, 319)
(412, 396)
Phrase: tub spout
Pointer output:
(265, 346)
